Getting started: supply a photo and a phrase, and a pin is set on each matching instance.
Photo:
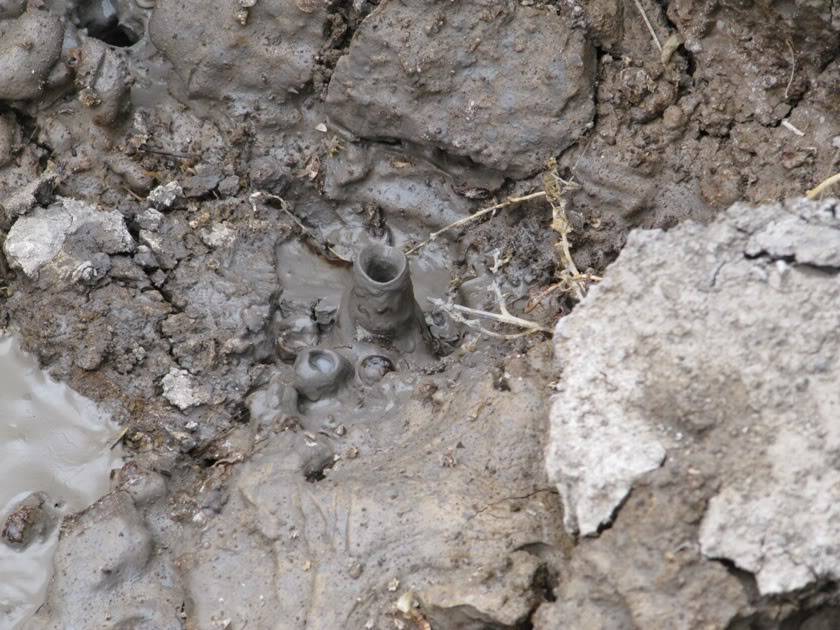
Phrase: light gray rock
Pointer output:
(803, 242)
(718, 346)
(166, 196)
(505, 85)
(180, 389)
(596, 452)
(22, 200)
(150, 219)
(65, 235)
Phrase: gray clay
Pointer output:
(373, 368)
(320, 373)
(380, 306)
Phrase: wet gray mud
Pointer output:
(216, 223)
(55, 458)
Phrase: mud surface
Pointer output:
(187, 194)
(57, 444)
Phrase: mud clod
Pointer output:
(31, 520)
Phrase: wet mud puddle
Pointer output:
(55, 459)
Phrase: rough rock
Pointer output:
(433, 73)
(37, 192)
(217, 56)
(180, 389)
(712, 369)
(64, 236)
(166, 196)
(150, 219)
(29, 47)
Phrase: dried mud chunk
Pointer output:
(505, 87)
(104, 80)
(745, 433)
(29, 46)
(217, 57)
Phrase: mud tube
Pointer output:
(382, 298)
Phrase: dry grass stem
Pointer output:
(556, 189)
(793, 129)
(820, 188)
(564, 286)
(504, 204)
(792, 68)
(641, 10)
(504, 316)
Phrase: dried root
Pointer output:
(459, 313)
(570, 279)
(556, 188)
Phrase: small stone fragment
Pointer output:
(218, 235)
(150, 219)
(180, 389)
(166, 197)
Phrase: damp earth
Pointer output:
(56, 453)
(419, 314)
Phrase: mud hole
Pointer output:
(219, 223)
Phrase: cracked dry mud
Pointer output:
(204, 209)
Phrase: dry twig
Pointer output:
(570, 279)
(504, 204)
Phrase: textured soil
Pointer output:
(141, 267)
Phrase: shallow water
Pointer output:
(54, 440)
